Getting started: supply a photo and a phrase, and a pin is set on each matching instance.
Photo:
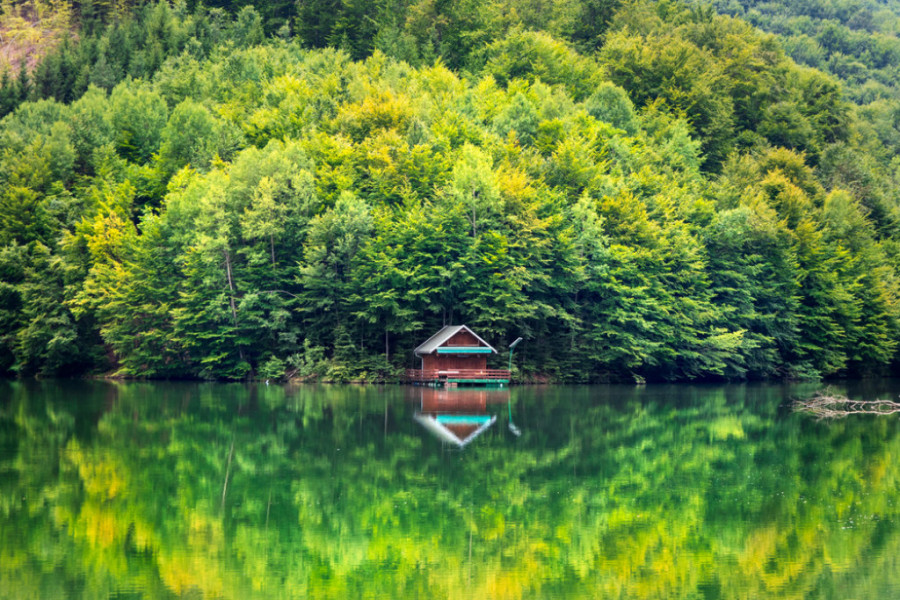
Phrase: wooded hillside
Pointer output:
(642, 190)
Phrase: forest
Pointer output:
(642, 190)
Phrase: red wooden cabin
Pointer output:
(456, 355)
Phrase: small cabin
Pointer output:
(456, 355)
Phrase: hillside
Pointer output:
(29, 30)
(854, 40)
(655, 192)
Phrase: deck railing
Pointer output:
(445, 374)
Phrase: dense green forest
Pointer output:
(642, 190)
(855, 40)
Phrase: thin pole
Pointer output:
(511, 348)
(227, 472)
(512, 427)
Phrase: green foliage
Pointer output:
(308, 363)
(685, 203)
(272, 369)
(610, 103)
(537, 56)
(855, 41)
(192, 136)
(137, 115)
(333, 241)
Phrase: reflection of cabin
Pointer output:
(453, 356)
(459, 400)
(457, 416)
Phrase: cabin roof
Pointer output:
(432, 343)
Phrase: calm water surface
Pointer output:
(137, 490)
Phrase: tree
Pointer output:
(138, 116)
(326, 274)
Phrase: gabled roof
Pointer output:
(446, 427)
(432, 343)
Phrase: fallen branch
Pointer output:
(828, 405)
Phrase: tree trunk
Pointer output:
(231, 295)
(230, 285)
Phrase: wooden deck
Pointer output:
(444, 376)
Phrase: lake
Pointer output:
(201, 490)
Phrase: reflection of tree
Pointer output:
(631, 492)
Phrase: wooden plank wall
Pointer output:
(454, 361)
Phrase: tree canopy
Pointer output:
(660, 193)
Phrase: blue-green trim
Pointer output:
(462, 419)
(463, 350)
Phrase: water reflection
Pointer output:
(456, 416)
(230, 491)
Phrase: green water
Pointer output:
(230, 491)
